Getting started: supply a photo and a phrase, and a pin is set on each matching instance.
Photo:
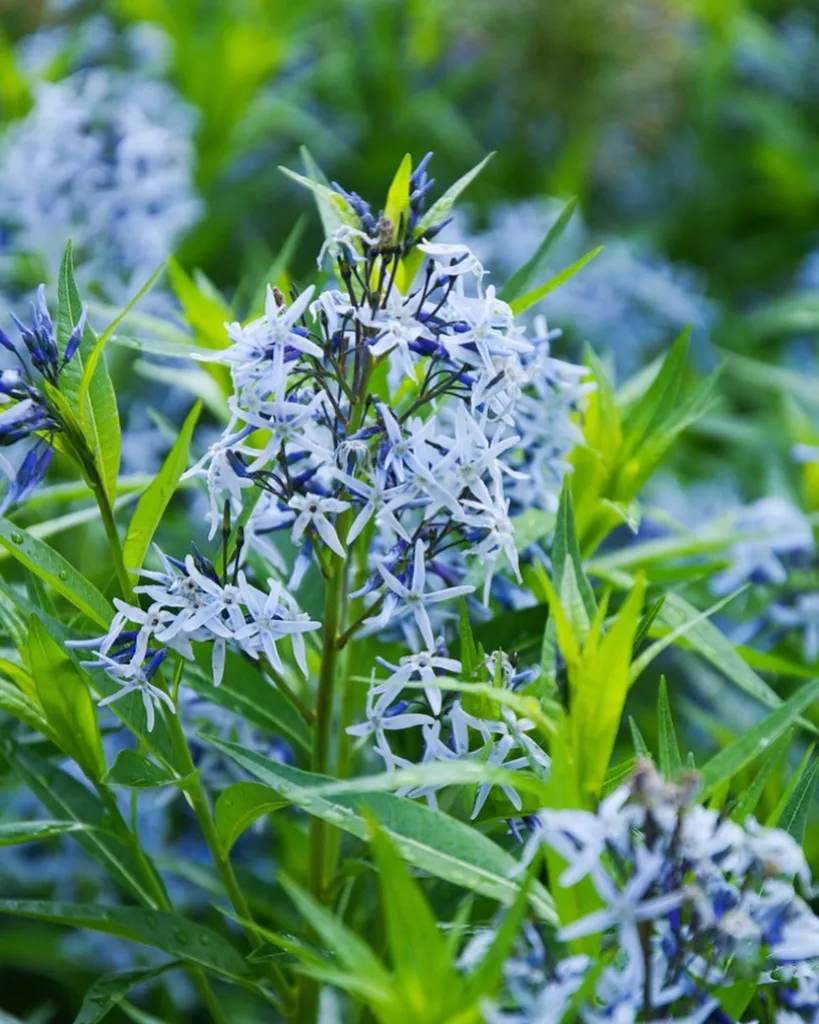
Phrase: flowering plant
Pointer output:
(392, 645)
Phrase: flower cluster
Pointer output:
(453, 727)
(691, 903)
(192, 603)
(396, 412)
(104, 158)
(28, 412)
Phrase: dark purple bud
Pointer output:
(154, 663)
(75, 338)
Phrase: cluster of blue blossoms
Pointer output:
(691, 905)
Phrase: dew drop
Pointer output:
(204, 940)
(150, 920)
(63, 574)
(17, 537)
(181, 937)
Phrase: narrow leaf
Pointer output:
(428, 839)
(66, 701)
(724, 765)
(670, 760)
(440, 208)
(524, 302)
(51, 567)
(537, 263)
(151, 508)
(795, 815)
(12, 833)
(136, 771)
(193, 943)
(109, 991)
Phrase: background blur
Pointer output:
(689, 131)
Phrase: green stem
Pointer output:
(324, 718)
(161, 901)
(202, 809)
(287, 691)
(114, 542)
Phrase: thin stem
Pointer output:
(161, 901)
(201, 808)
(287, 691)
(114, 542)
(324, 717)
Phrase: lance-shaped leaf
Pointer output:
(175, 935)
(148, 513)
(51, 567)
(428, 839)
(104, 835)
(66, 701)
(12, 833)
(537, 264)
(524, 302)
(440, 209)
(723, 766)
(670, 760)
(109, 991)
(102, 427)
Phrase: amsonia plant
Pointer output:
(399, 648)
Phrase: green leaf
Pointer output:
(683, 629)
(103, 835)
(151, 508)
(205, 313)
(12, 833)
(333, 208)
(428, 839)
(278, 267)
(440, 208)
(193, 943)
(247, 694)
(240, 806)
(14, 702)
(724, 765)
(422, 967)
(640, 745)
(354, 955)
(100, 414)
(751, 796)
(109, 991)
(573, 901)
(469, 651)
(794, 817)
(441, 773)
(537, 264)
(599, 688)
(51, 567)
(93, 357)
(524, 302)
(793, 781)
(565, 549)
(66, 701)
(671, 764)
(617, 774)
(396, 209)
(138, 772)
(711, 644)
(658, 403)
